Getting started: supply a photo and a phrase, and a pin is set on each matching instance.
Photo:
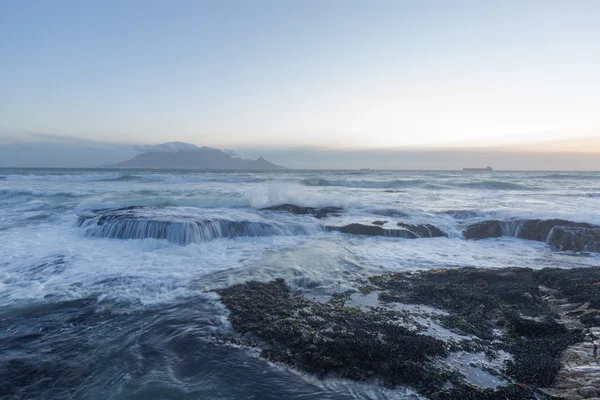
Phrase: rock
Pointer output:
(575, 239)
(590, 318)
(299, 210)
(561, 234)
(379, 223)
(408, 231)
(539, 229)
(426, 230)
(484, 230)
(588, 392)
(548, 354)
(370, 230)
(344, 341)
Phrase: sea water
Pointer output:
(98, 308)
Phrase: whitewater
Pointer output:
(107, 277)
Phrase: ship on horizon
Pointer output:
(488, 168)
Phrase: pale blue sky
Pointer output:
(334, 74)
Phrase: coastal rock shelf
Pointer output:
(528, 334)
(560, 234)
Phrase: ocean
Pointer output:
(107, 277)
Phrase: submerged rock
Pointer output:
(300, 210)
(560, 234)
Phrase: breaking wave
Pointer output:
(497, 185)
(10, 193)
(365, 184)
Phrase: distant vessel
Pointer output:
(479, 169)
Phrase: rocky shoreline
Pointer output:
(512, 333)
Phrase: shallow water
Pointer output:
(124, 311)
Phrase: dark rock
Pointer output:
(408, 231)
(370, 230)
(559, 233)
(575, 239)
(466, 392)
(480, 300)
(539, 229)
(578, 285)
(379, 223)
(331, 338)
(590, 318)
(424, 231)
(484, 230)
(299, 210)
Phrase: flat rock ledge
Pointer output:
(560, 234)
(406, 231)
(319, 213)
(530, 334)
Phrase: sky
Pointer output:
(323, 74)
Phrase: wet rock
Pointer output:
(408, 231)
(575, 239)
(578, 285)
(560, 234)
(590, 318)
(480, 301)
(370, 230)
(516, 311)
(379, 223)
(484, 230)
(299, 210)
(589, 392)
(331, 338)
(426, 230)
(539, 229)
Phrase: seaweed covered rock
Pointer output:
(482, 301)
(544, 322)
(331, 338)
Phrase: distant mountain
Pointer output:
(178, 155)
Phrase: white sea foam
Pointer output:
(44, 253)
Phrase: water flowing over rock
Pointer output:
(424, 231)
(560, 234)
(149, 223)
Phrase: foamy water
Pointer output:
(150, 273)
